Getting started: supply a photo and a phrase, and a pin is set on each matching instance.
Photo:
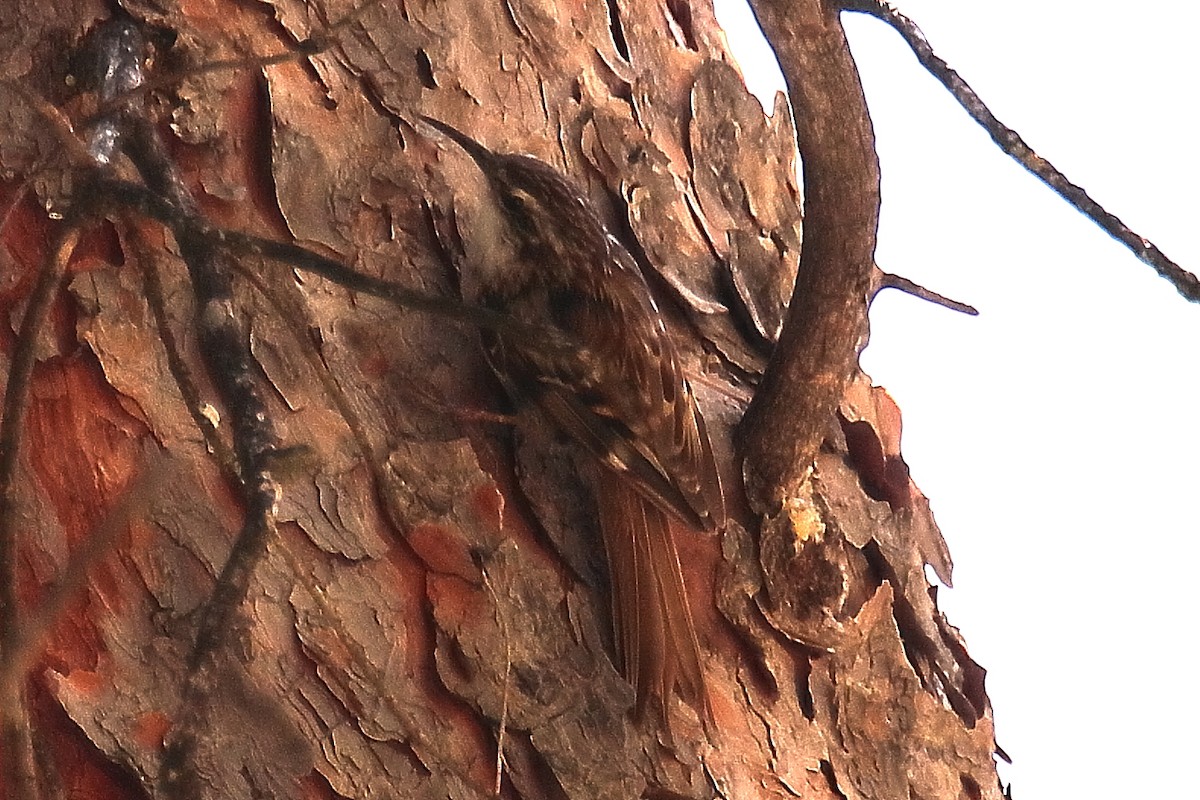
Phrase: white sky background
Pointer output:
(1056, 434)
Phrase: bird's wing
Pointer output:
(623, 395)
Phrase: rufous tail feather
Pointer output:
(654, 632)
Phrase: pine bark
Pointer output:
(437, 585)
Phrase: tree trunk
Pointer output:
(436, 588)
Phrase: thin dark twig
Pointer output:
(889, 281)
(289, 312)
(1186, 283)
(314, 45)
(180, 371)
(17, 196)
(308, 261)
(120, 194)
(57, 123)
(15, 737)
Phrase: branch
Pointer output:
(826, 318)
(1186, 283)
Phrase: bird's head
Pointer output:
(545, 211)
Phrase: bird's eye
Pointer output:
(520, 204)
(519, 200)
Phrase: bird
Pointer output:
(618, 391)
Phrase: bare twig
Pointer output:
(314, 45)
(887, 280)
(292, 316)
(184, 381)
(1186, 283)
(57, 123)
(119, 195)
